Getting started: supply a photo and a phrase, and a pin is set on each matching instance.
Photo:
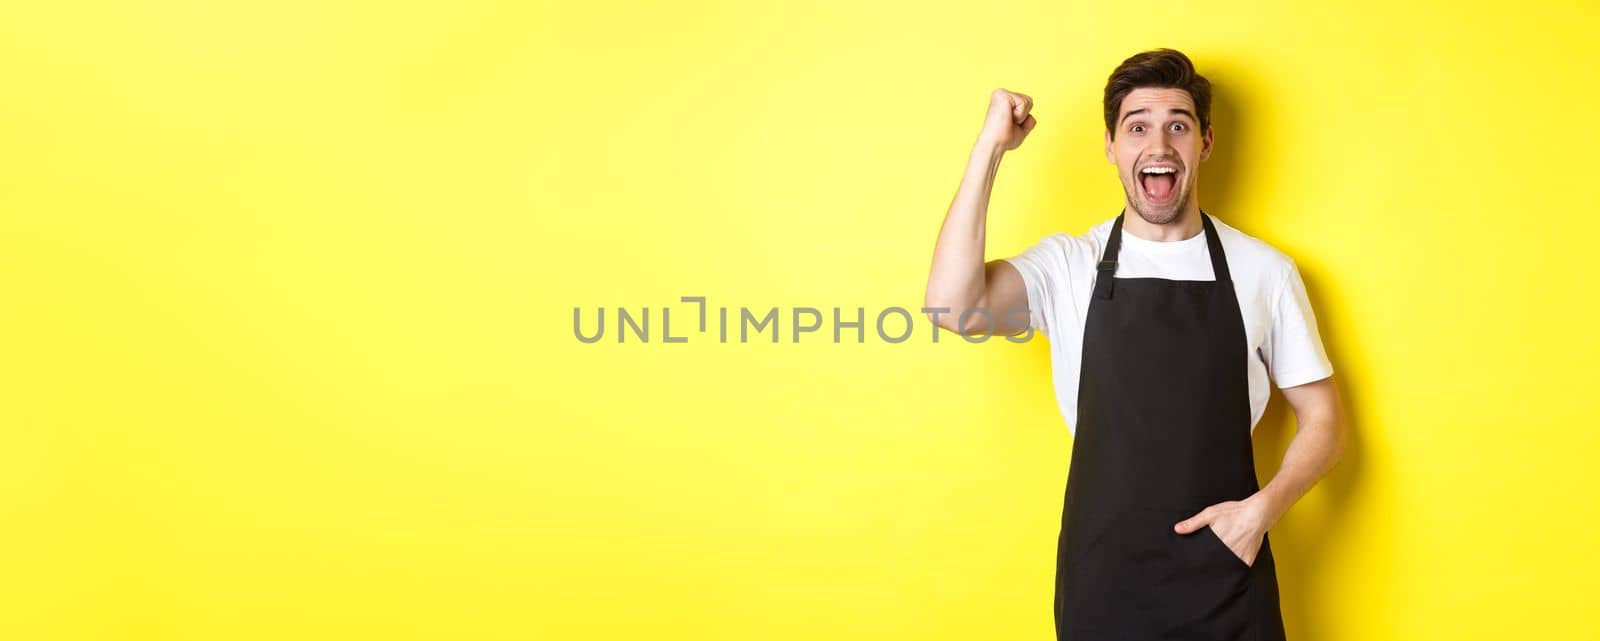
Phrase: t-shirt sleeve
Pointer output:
(1293, 348)
(1043, 268)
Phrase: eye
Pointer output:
(1178, 126)
(1136, 128)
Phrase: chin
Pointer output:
(1160, 214)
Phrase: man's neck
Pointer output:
(1184, 227)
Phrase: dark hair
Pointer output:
(1162, 68)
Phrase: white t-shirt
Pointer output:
(1280, 329)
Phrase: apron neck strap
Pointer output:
(1106, 270)
(1219, 260)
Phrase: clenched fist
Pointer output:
(1008, 121)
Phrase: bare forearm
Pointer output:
(1317, 445)
(956, 280)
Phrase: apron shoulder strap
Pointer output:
(1106, 271)
(1219, 260)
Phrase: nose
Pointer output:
(1160, 143)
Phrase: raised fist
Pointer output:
(1008, 121)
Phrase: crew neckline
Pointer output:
(1129, 238)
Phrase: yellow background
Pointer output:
(288, 293)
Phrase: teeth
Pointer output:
(1158, 170)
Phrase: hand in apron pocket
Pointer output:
(1209, 533)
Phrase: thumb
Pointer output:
(1194, 522)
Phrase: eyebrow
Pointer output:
(1144, 110)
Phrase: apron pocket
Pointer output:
(1133, 574)
(1204, 590)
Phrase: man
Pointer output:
(1164, 330)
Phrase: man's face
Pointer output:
(1158, 149)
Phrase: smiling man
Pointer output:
(1166, 330)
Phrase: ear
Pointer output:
(1110, 158)
(1205, 144)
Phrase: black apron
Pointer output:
(1163, 431)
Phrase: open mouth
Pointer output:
(1159, 183)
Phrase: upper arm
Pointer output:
(1005, 297)
(1024, 287)
(1018, 291)
(1299, 365)
(1316, 403)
